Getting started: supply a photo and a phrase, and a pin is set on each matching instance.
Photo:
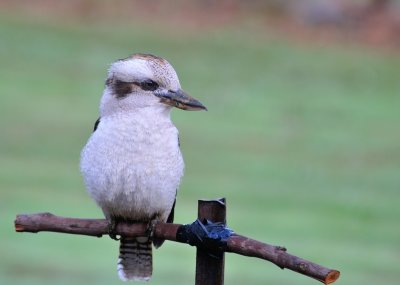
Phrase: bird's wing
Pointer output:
(96, 124)
(171, 214)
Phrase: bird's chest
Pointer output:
(133, 162)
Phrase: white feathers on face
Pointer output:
(123, 90)
(130, 70)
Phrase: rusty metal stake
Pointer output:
(210, 270)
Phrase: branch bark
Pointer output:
(242, 245)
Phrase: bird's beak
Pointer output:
(180, 99)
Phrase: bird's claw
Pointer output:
(112, 225)
(150, 228)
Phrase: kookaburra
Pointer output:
(132, 164)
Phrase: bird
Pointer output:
(132, 164)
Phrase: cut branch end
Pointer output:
(332, 276)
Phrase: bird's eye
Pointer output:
(149, 85)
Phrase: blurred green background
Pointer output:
(302, 136)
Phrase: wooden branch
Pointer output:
(35, 223)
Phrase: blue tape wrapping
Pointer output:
(207, 235)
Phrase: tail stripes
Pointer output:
(135, 259)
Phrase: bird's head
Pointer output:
(144, 80)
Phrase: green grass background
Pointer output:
(302, 140)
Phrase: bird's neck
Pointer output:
(153, 115)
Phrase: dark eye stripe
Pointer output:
(122, 89)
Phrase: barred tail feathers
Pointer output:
(135, 259)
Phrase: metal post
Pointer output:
(210, 270)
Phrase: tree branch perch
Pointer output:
(242, 245)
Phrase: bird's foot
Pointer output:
(112, 226)
(157, 242)
(150, 228)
